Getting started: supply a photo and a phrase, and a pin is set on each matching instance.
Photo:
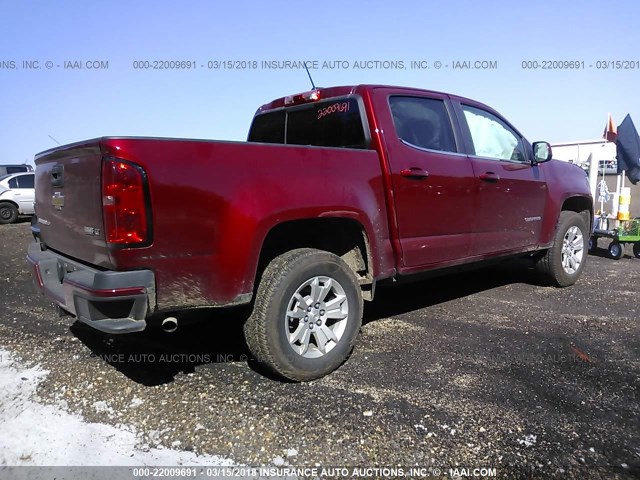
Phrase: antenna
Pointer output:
(310, 79)
(54, 139)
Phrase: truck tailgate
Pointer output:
(69, 202)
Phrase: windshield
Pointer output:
(332, 123)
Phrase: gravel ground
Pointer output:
(480, 369)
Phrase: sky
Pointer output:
(213, 102)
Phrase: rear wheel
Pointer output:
(615, 250)
(636, 249)
(563, 263)
(307, 314)
(8, 213)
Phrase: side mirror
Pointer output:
(541, 152)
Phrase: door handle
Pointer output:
(489, 177)
(56, 175)
(414, 172)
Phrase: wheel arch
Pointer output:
(581, 205)
(563, 262)
(12, 202)
(345, 237)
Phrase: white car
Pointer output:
(17, 195)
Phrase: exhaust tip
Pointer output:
(170, 324)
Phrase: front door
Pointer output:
(511, 190)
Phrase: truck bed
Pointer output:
(195, 186)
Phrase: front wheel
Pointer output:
(615, 250)
(307, 314)
(563, 263)
(8, 213)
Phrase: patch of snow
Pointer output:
(278, 461)
(528, 440)
(136, 402)
(291, 452)
(367, 413)
(35, 434)
(103, 407)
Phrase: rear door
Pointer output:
(432, 178)
(511, 190)
(23, 192)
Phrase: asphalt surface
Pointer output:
(480, 369)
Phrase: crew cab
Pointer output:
(336, 190)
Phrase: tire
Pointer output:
(8, 213)
(593, 244)
(563, 263)
(616, 250)
(636, 249)
(291, 295)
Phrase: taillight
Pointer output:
(124, 203)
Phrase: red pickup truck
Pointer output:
(337, 189)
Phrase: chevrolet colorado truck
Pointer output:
(337, 189)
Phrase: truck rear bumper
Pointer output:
(112, 302)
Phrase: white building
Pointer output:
(603, 151)
(578, 153)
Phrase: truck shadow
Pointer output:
(215, 336)
(396, 299)
(154, 357)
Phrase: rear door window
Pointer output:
(25, 181)
(423, 123)
(22, 181)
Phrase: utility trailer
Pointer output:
(628, 232)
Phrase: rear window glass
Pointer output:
(268, 128)
(333, 123)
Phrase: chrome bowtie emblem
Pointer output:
(57, 200)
